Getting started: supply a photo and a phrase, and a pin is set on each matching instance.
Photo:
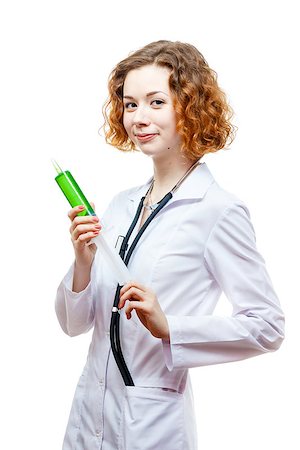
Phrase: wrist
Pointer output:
(83, 263)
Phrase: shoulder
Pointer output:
(213, 199)
(220, 201)
(229, 219)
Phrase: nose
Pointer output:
(140, 117)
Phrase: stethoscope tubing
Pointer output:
(115, 317)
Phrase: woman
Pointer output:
(164, 100)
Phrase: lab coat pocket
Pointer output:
(152, 419)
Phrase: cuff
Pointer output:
(172, 348)
(67, 283)
(74, 309)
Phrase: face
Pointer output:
(149, 116)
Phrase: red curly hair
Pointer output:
(202, 111)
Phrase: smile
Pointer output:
(146, 137)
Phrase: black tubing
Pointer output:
(115, 318)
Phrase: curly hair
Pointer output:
(202, 111)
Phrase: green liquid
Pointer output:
(73, 193)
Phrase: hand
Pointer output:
(82, 230)
(147, 308)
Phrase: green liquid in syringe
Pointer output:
(72, 191)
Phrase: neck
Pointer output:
(166, 174)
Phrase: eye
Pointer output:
(130, 105)
(157, 102)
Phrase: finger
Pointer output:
(84, 228)
(130, 298)
(85, 238)
(131, 284)
(131, 306)
(78, 209)
(74, 211)
(87, 220)
(133, 292)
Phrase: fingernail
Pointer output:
(81, 207)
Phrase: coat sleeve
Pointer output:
(75, 310)
(256, 325)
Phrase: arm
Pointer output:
(74, 303)
(257, 323)
(74, 310)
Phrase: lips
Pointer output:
(145, 137)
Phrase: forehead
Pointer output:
(146, 79)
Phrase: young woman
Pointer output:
(165, 101)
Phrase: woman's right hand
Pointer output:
(82, 230)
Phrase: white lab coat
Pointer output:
(200, 244)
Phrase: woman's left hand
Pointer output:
(147, 307)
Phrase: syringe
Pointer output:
(75, 197)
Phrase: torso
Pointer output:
(145, 214)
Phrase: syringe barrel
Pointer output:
(73, 193)
(75, 197)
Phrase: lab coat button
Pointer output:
(101, 381)
(107, 333)
(98, 433)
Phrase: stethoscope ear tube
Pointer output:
(115, 317)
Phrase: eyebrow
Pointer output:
(147, 95)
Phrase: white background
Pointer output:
(55, 60)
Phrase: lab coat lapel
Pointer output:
(193, 187)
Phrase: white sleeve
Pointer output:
(257, 322)
(75, 310)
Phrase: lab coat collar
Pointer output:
(194, 186)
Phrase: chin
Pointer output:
(147, 149)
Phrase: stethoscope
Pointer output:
(115, 317)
